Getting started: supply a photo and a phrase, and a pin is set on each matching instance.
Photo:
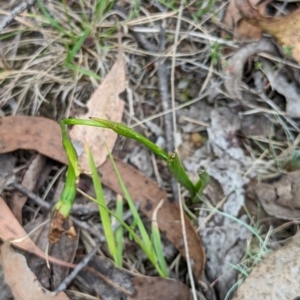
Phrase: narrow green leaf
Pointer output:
(179, 173)
(156, 238)
(137, 239)
(119, 230)
(78, 45)
(125, 131)
(52, 21)
(104, 216)
(82, 71)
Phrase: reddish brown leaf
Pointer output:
(22, 132)
(142, 189)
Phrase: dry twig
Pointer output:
(15, 12)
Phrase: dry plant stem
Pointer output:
(63, 286)
(15, 12)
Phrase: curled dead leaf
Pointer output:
(235, 65)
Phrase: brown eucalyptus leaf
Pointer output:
(21, 280)
(32, 133)
(104, 103)
(276, 277)
(143, 190)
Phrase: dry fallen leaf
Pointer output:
(64, 250)
(143, 190)
(10, 229)
(104, 103)
(27, 134)
(281, 198)
(242, 29)
(21, 280)
(111, 282)
(286, 29)
(276, 277)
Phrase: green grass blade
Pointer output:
(82, 71)
(145, 237)
(104, 215)
(156, 238)
(200, 185)
(77, 45)
(119, 230)
(82, 122)
(137, 239)
(125, 131)
(52, 22)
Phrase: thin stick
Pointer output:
(14, 13)
(63, 286)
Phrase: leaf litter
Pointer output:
(264, 102)
(21, 279)
(142, 189)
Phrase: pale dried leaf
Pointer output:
(276, 277)
(224, 245)
(106, 104)
(21, 280)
